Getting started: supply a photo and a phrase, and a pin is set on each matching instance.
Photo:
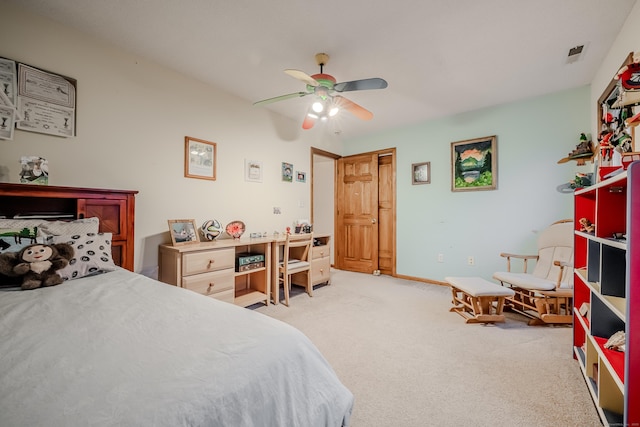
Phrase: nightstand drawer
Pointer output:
(321, 270)
(205, 261)
(210, 283)
(320, 251)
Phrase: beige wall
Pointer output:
(132, 117)
(628, 40)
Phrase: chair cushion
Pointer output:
(525, 281)
(296, 264)
(478, 287)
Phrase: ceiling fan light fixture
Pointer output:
(333, 111)
(317, 106)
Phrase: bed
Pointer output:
(122, 349)
(109, 347)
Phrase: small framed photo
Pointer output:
(287, 172)
(474, 164)
(421, 173)
(301, 176)
(183, 231)
(199, 158)
(252, 171)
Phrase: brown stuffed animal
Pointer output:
(586, 225)
(38, 264)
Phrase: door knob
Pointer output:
(373, 220)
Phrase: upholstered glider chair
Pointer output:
(545, 295)
(295, 260)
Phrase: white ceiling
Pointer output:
(440, 57)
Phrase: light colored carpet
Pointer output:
(410, 362)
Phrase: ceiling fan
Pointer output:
(324, 87)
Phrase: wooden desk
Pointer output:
(209, 269)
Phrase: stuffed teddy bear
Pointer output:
(37, 264)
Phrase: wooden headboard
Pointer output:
(114, 208)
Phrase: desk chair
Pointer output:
(297, 250)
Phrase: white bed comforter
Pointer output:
(121, 349)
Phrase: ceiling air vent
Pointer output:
(575, 54)
(575, 51)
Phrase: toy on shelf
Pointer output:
(616, 342)
(628, 83)
(606, 148)
(587, 226)
(584, 151)
(581, 180)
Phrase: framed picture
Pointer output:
(287, 172)
(421, 173)
(474, 164)
(301, 176)
(199, 158)
(183, 231)
(252, 171)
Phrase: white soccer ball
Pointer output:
(211, 229)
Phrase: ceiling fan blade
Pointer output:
(281, 98)
(353, 108)
(308, 122)
(302, 76)
(365, 84)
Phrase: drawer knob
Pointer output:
(210, 287)
(211, 261)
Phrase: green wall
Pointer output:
(532, 136)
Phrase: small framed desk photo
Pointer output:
(183, 231)
(421, 173)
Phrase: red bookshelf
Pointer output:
(607, 279)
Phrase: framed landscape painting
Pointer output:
(474, 164)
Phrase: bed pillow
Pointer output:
(92, 254)
(68, 228)
(14, 239)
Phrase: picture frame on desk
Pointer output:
(183, 231)
(199, 158)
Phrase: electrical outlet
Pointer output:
(440, 257)
(471, 261)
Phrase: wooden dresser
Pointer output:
(114, 208)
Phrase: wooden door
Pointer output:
(357, 213)
(386, 215)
